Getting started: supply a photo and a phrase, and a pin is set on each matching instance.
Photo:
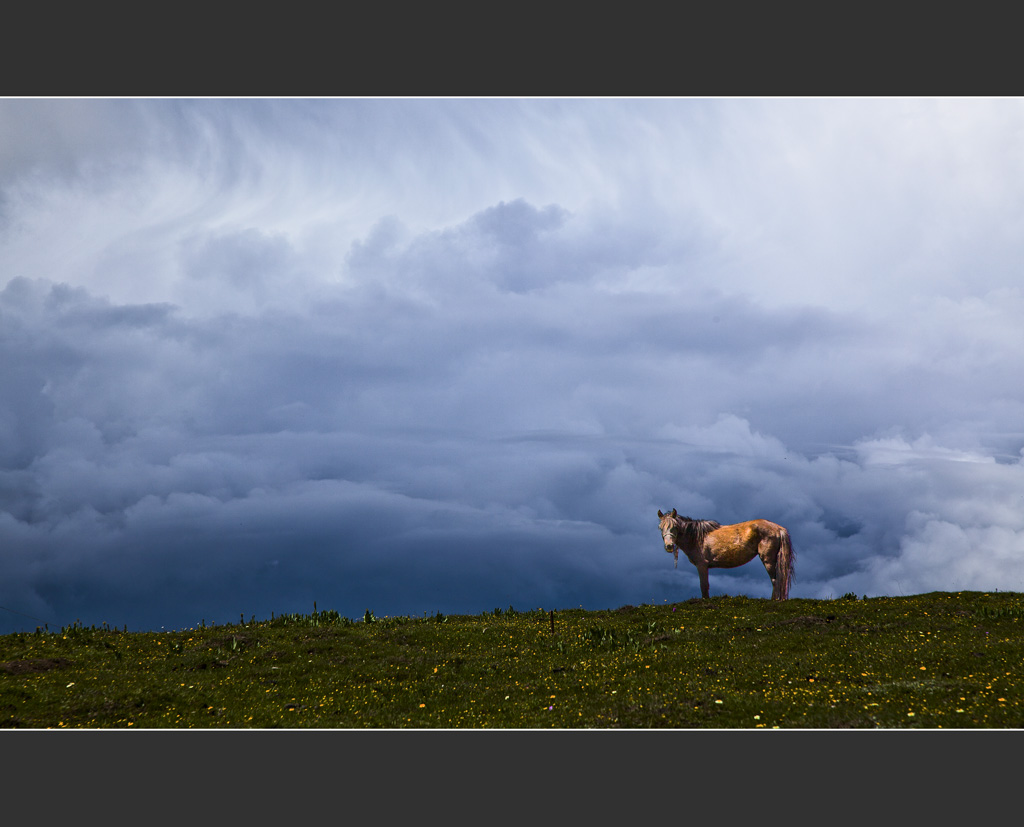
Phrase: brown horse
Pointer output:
(710, 545)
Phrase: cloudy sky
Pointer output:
(452, 355)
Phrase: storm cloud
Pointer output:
(452, 355)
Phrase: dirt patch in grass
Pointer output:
(806, 621)
(22, 667)
(226, 642)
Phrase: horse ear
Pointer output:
(674, 512)
(660, 515)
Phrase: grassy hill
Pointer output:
(950, 660)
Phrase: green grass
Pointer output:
(950, 660)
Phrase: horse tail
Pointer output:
(786, 563)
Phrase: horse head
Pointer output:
(667, 525)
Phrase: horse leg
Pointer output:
(768, 551)
(705, 589)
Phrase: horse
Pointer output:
(710, 545)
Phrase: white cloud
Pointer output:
(942, 556)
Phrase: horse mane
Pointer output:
(691, 533)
